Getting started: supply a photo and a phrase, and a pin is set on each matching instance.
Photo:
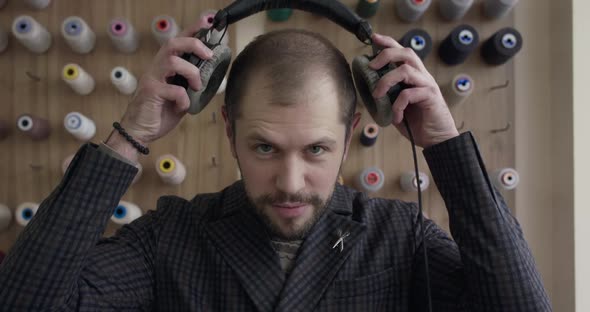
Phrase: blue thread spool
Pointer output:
(458, 45)
(369, 134)
(501, 46)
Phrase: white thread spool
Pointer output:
(453, 10)
(38, 4)
(25, 212)
(5, 217)
(31, 34)
(123, 35)
(123, 80)
(411, 10)
(409, 183)
(458, 90)
(222, 86)
(78, 79)
(164, 27)
(78, 35)
(80, 126)
(170, 169)
(506, 179)
(371, 180)
(498, 8)
(66, 163)
(3, 39)
(215, 34)
(125, 213)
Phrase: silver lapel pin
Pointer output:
(340, 240)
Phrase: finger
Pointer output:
(409, 96)
(385, 41)
(406, 74)
(176, 95)
(176, 65)
(397, 55)
(205, 21)
(181, 45)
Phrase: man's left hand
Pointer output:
(422, 103)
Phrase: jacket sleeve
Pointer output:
(60, 262)
(489, 266)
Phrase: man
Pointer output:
(267, 242)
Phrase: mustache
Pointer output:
(282, 197)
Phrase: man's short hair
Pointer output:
(288, 58)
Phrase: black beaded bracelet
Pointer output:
(142, 149)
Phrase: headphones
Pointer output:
(214, 70)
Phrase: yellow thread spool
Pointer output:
(70, 72)
(167, 165)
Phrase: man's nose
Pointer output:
(291, 176)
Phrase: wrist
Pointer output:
(442, 138)
(122, 146)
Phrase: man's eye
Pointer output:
(264, 149)
(316, 150)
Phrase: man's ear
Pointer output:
(229, 131)
(355, 122)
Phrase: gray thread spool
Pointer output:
(164, 27)
(123, 80)
(506, 179)
(453, 10)
(123, 35)
(411, 10)
(498, 8)
(38, 4)
(31, 34)
(78, 34)
(36, 128)
(371, 180)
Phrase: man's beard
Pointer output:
(291, 230)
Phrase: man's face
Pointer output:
(290, 155)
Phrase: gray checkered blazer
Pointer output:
(213, 254)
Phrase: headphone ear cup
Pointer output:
(212, 73)
(366, 80)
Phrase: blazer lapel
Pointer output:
(242, 240)
(317, 262)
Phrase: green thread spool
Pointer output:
(279, 15)
(367, 8)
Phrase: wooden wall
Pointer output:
(30, 170)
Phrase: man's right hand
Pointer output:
(157, 107)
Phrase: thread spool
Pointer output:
(458, 45)
(506, 179)
(410, 11)
(498, 8)
(369, 134)
(66, 163)
(222, 86)
(5, 217)
(123, 35)
(279, 15)
(409, 183)
(170, 169)
(31, 34)
(123, 80)
(460, 88)
(36, 128)
(3, 39)
(501, 46)
(25, 212)
(4, 129)
(38, 4)
(215, 34)
(367, 8)
(78, 35)
(164, 27)
(453, 10)
(78, 79)
(125, 213)
(419, 41)
(371, 180)
(80, 126)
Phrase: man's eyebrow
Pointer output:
(255, 136)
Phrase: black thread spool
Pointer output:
(457, 46)
(501, 46)
(367, 8)
(419, 41)
(369, 134)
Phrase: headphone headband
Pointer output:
(331, 9)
